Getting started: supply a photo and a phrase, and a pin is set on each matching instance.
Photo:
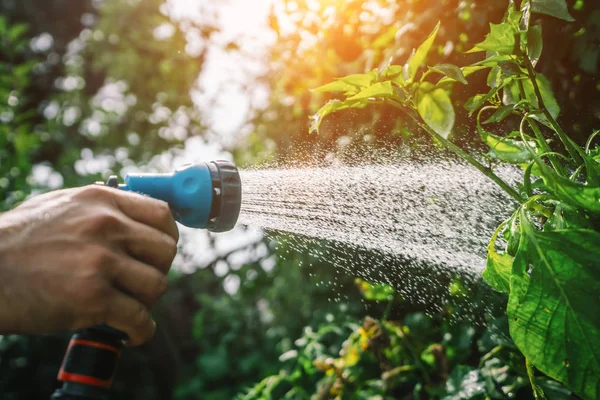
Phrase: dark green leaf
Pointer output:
(450, 71)
(554, 8)
(500, 114)
(546, 92)
(464, 383)
(535, 43)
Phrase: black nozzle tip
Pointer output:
(227, 196)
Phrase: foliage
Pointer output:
(549, 268)
(107, 93)
(410, 355)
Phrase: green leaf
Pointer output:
(450, 71)
(336, 86)
(394, 73)
(331, 107)
(508, 150)
(17, 31)
(546, 92)
(361, 80)
(474, 103)
(552, 314)
(554, 8)
(535, 44)
(464, 383)
(350, 84)
(501, 39)
(493, 59)
(418, 59)
(375, 291)
(498, 266)
(380, 89)
(500, 114)
(571, 192)
(435, 107)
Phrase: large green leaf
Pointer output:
(501, 39)
(418, 59)
(554, 8)
(555, 288)
(435, 107)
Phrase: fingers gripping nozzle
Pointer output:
(206, 195)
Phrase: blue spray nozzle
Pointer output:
(205, 195)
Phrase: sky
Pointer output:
(242, 21)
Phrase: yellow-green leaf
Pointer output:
(418, 59)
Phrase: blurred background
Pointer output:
(91, 88)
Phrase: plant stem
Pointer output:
(460, 152)
(388, 308)
(538, 393)
(413, 353)
(566, 140)
(543, 145)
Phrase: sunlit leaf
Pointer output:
(394, 73)
(554, 8)
(501, 39)
(380, 89)
(361, 80)
(508, 150)
(436, 109)
(374, 291)
(337, 86)
(331, 107)
(555, 283)
(418, 59)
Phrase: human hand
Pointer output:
(81, 257)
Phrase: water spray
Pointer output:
(204, 196)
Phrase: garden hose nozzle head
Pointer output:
(205, 195)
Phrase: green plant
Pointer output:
(403, 356)
(545, 256)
